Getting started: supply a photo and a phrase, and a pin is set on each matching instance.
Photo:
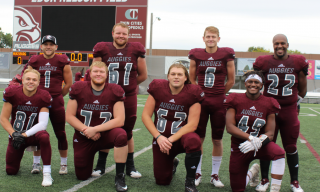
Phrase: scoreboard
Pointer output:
(77, 24)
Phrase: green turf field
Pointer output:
(25, 181)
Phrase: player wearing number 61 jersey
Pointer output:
(285, 79)
(127, 68)
(53, 69)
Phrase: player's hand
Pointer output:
(256, 142)
(164, 144)
(246, 147)
(96, 136)
(18, 139)
(89, 132)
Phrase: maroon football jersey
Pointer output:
(25, 110)
(77, 76)
(171, 111)
(251, 115)
(87, 75)
(51, 71)
(212, 68)
(95, 110)
(122, 63)
(281, 77)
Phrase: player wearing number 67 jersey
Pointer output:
(28, 107)
(176, 105)
(211, 66)
(127, 68)
(285, 79)
(53, 69)
(250, 119)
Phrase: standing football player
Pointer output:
(96, 111)
(176, 106)
(53, 69)
(127, 68)
(286, 78)
(29, 110)
(87, 75)
(211, 66)
(250, 119)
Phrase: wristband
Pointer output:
(264, 139)
(158, 137)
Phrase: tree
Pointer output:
(258, 49)
(293, 51)
(5, 40)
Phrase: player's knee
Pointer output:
(163, 182)
(217, 143)
(61, 135)
(82, 176)
(121, 138)
(290, 149)
(11, 170)
(192, 144)
(43, 136)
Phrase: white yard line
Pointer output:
(135, 130)
(109, 169)
(314, 110)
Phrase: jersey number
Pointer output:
(257, 125)
(88, 115)
(286, 90)
(209, 77)
(47, 79)
(20, 119)
(161, 124)
(114, 75)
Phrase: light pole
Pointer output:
(158, 18)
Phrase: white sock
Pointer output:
(63, 160)
(249, 176)
(216, 162)
(276, 181)
(36, 159)
(47, 169)
(199, 165)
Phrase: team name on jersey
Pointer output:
(27, 108)
(93, 107)
(252, 113)
(210, 63)
(47, 68)
(119, 59)
(281, 70)
(171, 106)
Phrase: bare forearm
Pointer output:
(147, 121)
(113, 123)
(228, 86)
(75, 122)
(141, 78)
(65, 90)
(188, 128)
(236, 132)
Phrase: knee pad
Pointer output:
(121, 139)
(290, 149)
(192, 144)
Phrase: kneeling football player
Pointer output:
(96, 111)
(29, 110)
(176, 105)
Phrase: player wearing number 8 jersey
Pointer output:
(53, 69)
(28, 107)
(211, 66)
(285, 79)
(176, 105)
(127, 68)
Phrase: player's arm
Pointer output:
(117, 121)
(270, 126)
(67, 77)
(191, 126)
(4, 117)
(164, 143)
(96, 59)
(142, 70)
(231, 125)
(230, 76)
(71, 116)
(193, 72)
(41, 125)
(302, 84)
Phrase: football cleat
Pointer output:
(175, 165)
(275, 188)
(295, 187)
(255, 169)
(47, 180)
(189, 185)
(97, 172)
(63, 170)
(120, 182)
(198, 179)
(36, 168)
(215, 180)
(263, 186)
(132, 172)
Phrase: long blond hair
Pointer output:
(186, 73)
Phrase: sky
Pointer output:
(242, 24)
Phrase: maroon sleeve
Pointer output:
(229, 102)
(141, 51)
(87, 76)
(152, 88)
(303, 62)
(75, 89)
(191, 54)
(46, 98)
(274, 106)
(64, 59)
(118, 92)
(98, 50)
(77, 76)
(8, 94)
(198, 93)
(258, 63)
(231, 54)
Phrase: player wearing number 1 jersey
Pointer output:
(211, 66)
(285, 79)
(127, 68)
(53, 69)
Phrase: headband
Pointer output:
(254, 76)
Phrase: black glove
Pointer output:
(18, 139)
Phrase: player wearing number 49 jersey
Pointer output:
(127, 68)
(211, 66)
(53, 69)
(28, 107)
(285, 79)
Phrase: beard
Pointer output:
(120, 44)
(98, 83)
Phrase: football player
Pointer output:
(87, 75)
(211, 66)
(53, 69)
(177, 111)
(96, 111)
(127, 68)
(250, 119)
(29, 111)
(286, 79)
(78, 75)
